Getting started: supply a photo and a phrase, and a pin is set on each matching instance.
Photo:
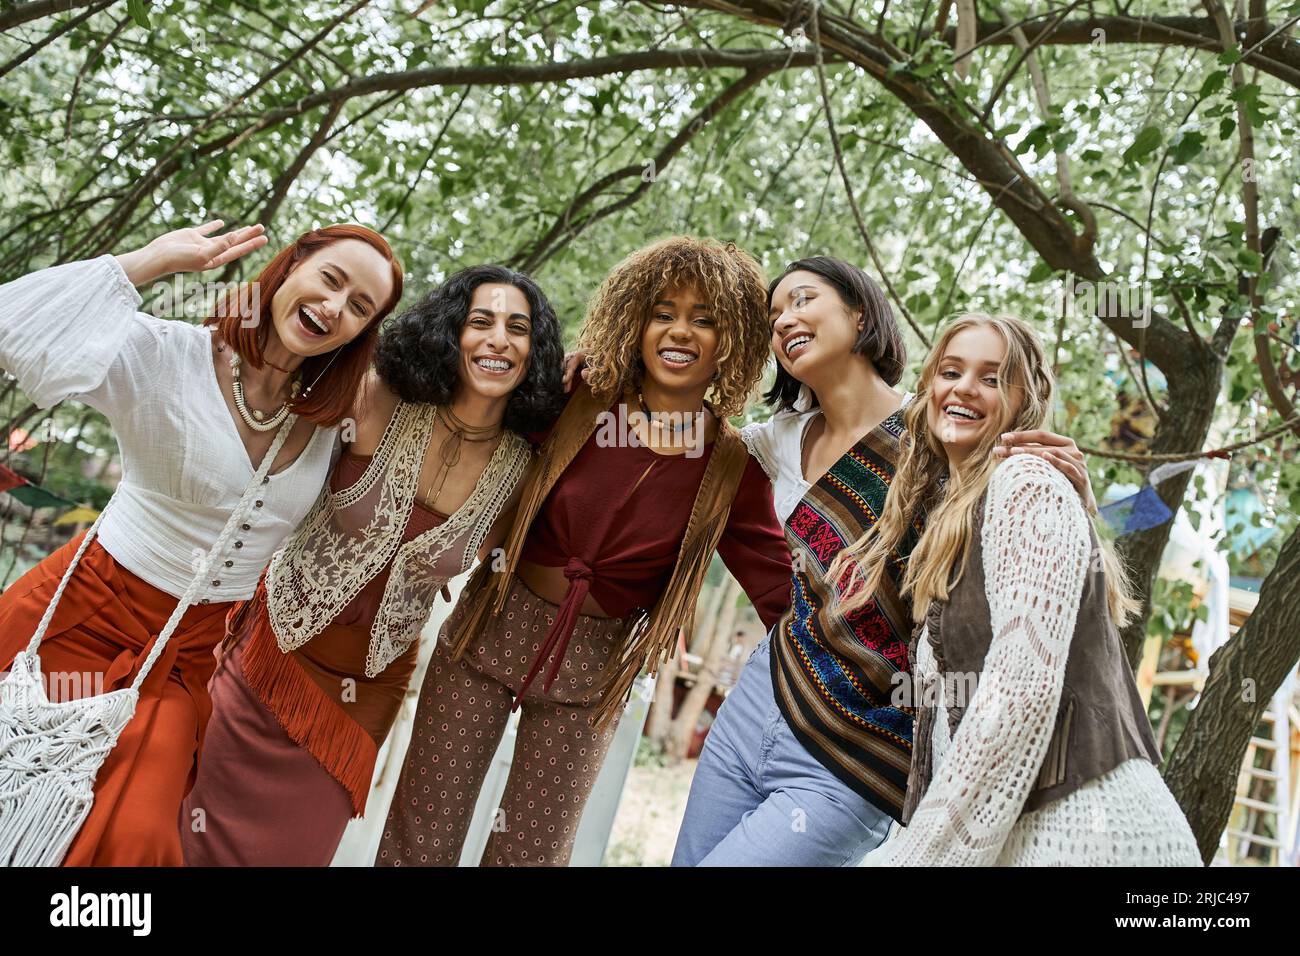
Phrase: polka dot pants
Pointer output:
(463, 711)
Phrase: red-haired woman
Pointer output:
(194, 409)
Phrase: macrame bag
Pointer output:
(51, 752)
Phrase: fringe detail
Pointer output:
(41, 823)
(922, 757)
(476, 598)
(576, 424)
(652, 638)
(311, 719)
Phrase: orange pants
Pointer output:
(100, 635)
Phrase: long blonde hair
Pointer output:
(730, 281)
(1024, 374)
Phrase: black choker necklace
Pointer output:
(656, 418)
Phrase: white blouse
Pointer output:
(72, 331)
(778, 445)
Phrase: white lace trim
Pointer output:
(752, 436)
(324, 566)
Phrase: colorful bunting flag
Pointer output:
(33, 496)
(77, 515)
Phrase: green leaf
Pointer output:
(1034, 139)
(1039, 272)
(1186, 145)
(1246, 93)
(1144, 144)
(1227, 126)
(139, 10)
(1250, 261)
(1213, 83)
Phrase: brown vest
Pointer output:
(1100, 722)
(651, 636)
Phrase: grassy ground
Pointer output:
(650, 813)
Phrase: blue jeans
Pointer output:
(759, 798)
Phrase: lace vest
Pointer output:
(351, 535)
(1101, 721)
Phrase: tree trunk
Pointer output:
(1245, 673)
(1193, 392)
(659, 723)
(697, 698)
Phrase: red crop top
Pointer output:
(615, 521)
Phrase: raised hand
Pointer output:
(190, 250)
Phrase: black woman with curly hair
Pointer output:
(314, 667)
(639, 482)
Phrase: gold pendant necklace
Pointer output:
(459, 432)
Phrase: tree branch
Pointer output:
(1276, 55)
(433, 149)
(53, 35)
(106, 231)
(565, 228)
(848, 183)
(1250, 198)
(27, 12)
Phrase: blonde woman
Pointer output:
(1031, 744)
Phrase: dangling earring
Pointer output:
(318, 377)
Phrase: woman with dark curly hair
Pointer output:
(637, 484)
(314, 667)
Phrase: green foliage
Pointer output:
(1173, 611)
(456, 175)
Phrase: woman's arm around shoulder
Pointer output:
(754, 548)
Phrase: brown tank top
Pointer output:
(1100, 722)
